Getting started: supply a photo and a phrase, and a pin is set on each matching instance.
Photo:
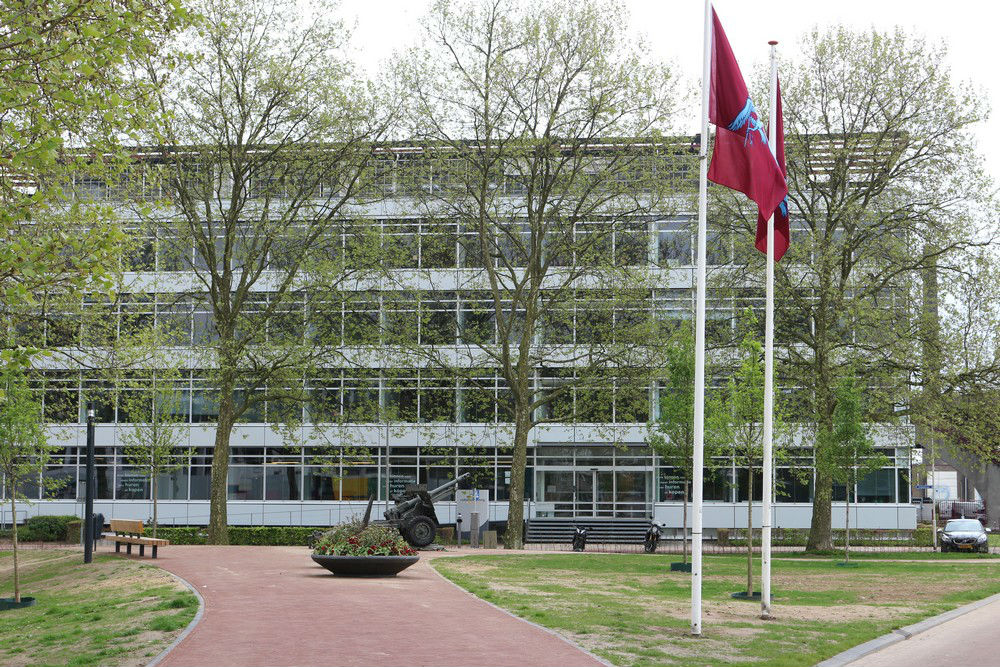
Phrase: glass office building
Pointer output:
(590, 461)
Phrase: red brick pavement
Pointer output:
(273, 606)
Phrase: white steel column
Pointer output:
(768, 435)
(699, 336)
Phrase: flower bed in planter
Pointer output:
(375, 550)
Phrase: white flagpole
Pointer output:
(699, 336)
(768, 435)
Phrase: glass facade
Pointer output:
(580, 477)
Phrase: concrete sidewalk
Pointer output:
(969, 640)
(274, 606)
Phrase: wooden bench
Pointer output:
(124, 531)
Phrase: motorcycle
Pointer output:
(580, 538)
(653, 535)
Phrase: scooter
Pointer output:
(653, 535)
(580, 538)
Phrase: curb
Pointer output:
(904, 633)
(190, 626)
(519, 618)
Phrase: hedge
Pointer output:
(273, 536)
(799, 537)
(46, 528)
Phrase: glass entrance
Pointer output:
(594, 492)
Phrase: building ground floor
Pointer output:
(321, 477)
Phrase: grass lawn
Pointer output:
(111, 612)
(631, 610)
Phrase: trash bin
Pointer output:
(98, 524)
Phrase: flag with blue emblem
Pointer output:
(741, 157)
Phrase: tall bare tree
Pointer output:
(883, 182)
(267, 137)
(541, 127)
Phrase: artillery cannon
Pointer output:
(414, 515)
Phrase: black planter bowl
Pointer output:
(365, 566)
(680, 567)
(8, 603)
(742, 595)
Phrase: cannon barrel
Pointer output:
(447, 486)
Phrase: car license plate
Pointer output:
(964, 546)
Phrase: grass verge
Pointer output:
(111, 612)
(632, 611)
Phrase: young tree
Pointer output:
(735, 419)
(268, 138)
(24, 448)
(65, 78)
(849, 449)
(672, 434)
(520, 111)
(153, 442)
(883, 181)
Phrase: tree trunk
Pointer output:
(684, 540)
(820, 528)
(218, 522)
(749, 532)
(847, 526)
(13, 522)
(514, 538)
(153, 491)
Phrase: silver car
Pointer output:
(964, 535)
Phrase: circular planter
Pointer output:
(365, 566)
(8, 603)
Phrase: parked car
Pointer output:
(964, 535)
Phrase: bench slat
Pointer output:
(129, 539)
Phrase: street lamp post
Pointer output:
(88, 512)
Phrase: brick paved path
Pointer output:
(274, 606)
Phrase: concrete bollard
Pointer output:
(474, 531)
(489, 539)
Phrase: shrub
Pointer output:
(178, 534)
(46, 528)
(273, 536)
(860, 537)
(353, 539)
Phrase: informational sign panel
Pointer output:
(398, 484)
(132, 486)
(671, 485)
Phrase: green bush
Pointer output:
(45, 528)
(799, 537)
(275, 536)
(178, 534)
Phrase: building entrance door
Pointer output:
(594, 492)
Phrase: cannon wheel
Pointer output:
(420, 531)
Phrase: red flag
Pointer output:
(741, 158)
(782, 235)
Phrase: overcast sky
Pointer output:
(673, 29)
